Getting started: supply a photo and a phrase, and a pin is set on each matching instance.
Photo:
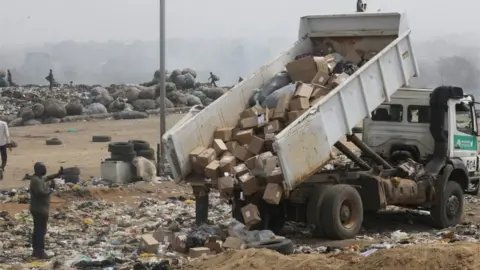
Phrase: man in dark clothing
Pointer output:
(9, 78)
(40, 206)
(50, 79)
(213, 79)
(361, 7)
(240, 79)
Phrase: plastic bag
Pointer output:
(278, 81)
(272, 99)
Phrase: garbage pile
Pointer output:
(242, 155)
(33, 105)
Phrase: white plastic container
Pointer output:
(118, 171)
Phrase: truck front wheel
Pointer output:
(342, 212)
(448, 212)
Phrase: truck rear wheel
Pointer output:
(342, 212)
(314, 206)
(448, 212)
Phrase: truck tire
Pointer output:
(139, 145)
(450, 209)
(342, 212)
(54, 141)
(120, 148)
(99, 138)
(282, 246)
(148, 154)
(314, 205)
(128, 157)
(71, 171)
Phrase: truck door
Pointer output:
(465, 144)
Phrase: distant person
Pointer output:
(4, 142)
(213, 79)
(3, 82)
(240, 79)
(9, 78)
(50, 79)
(40, 206)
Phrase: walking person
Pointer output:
(4, 142)
(40, 206)
(50, 79)
(213, 79)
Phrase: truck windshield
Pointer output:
(388, 113)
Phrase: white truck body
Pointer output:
(305, 145)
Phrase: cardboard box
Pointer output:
(303, 90)
(248, 183)
(252, 112)
(324, 64)
(225, 186)
(274, 126)
(194, 159)
(252, 162)
(294, 115)
(250, 122)
(268, 142)
(256, 145)
(263, 118)
(276, 176)
(244, 136)
(264, 165)
(242, 153)
(240, 170)
(339, 79)
(226, 164)
(219, 147)
(234, 243)
(352, 56)
(148, 244)
(180, 242)
(250, 214)
(280, 111)
(198, 251)
(299, 103)
(319, 91)
(304, 69)
(231, 146)
(226, 154)
(224, 134)
(164, 236)
(208, 155)
(321, 79)
(214, 245)
(273, 193)
(212, 171)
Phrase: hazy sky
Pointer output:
(38, 21)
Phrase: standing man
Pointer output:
(213, 79)
(9, 78)
(3, 82)
(40, 207)
(50, 79)
(4, 142)
(361, 7)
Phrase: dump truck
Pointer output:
(332, 201)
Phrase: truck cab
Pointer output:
(400, 129)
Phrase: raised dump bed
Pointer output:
(304, 146)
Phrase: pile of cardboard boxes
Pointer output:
(242, 156)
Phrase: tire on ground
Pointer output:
(283, 246)
(53, 141)
(71, 171)
(140, 145)
(148, 154)
(100, 138)
(120, 148)
(126, 157)
(441, 214)
(314, 206)
(332, 207)
(72, 178)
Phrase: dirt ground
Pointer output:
(438, 257)
(77, 149)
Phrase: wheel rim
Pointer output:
(347, 214)
(453, 206)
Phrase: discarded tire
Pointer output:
(71, 171)
(100, 138)
(74, 179)
(342, 212)
(148, 154)
(120, 148)
(53, 141)
(140, 145)
(128, 157)
(283, 246)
